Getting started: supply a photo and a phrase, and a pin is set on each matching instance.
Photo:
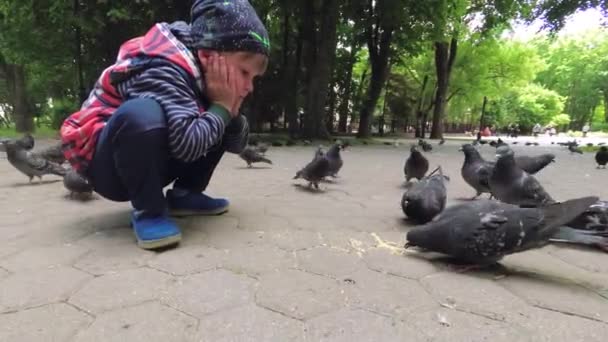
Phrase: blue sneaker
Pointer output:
(156, 232)
(195, 204)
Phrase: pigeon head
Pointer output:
(467, 148)
(414, 148)
(504, 152)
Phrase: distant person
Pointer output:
(536, 130)
(586, 129)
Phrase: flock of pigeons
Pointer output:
(522, 215)
(47, 161)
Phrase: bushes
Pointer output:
(59, 110)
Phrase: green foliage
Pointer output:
(529, 105)
(59, 110)
(560, 120)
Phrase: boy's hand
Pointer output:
(222, 83)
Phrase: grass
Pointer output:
(40, 132)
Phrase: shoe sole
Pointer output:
(155, 244)
(185, 212)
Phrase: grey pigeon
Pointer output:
(319, 153)
(512, 185)
(574, 149)
(416, 165)
(601, 157)
(26, 142)
(426, 147)
(314, 171)
(425, 199)
(250, 156)
(335, 160)
(533, 164)
(29, 163)
(475, 170)
(75, 183)
(52, 153)
(484, 231)
(441, 142)
(592, 238)
(261, 149)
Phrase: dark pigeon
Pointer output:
(475, 170)
(574, 149)
(416, 165)
(250, 156)
(26, 142)
(601, 157)
(441, 142)
(425, 199)
(335, 160)
(533, 164)
(482, 232)
(314, 172)
(512, 185)
(76, 184)
(29, 163)
(426, 147)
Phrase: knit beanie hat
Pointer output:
(228, 25)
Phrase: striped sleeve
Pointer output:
(191, 133)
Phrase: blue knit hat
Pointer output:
(229, 25)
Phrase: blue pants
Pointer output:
(132, 161)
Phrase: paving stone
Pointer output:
(147, 322)
(488, 299)
(53, 322)
(562, 297)
(44, 257)
(591, 260)
(358, 325)
(257, 259)
(249, 323)
(386, 294)
(121, 289)
(404, 265)
(545, 325)
(209, 292)
(315, 223)
(329, 262)
(292, 239)
(110, 258)
(299, 294)
(188, 260)
(441, 324)
(33, 288)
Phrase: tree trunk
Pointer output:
(379, 56)
(606, 105)
(78, 53)
(445, 54)
(22, 115)
(419, 130)
(344, 107)
(320, 74)
(483, 112)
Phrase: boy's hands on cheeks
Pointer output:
(222, 83)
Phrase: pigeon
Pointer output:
(592, 238)
(601, 157)
(482, 232)
(441, 142)
(52, 153)
(601, 144)
(510, 184)
(319, 152)
(416, 165)
(251, 156)
(77, 184)
(594, 218)
(529, 143)
(574, 149)
(426, 147)
(335, 160)
(261, 149)
(425, 199)
(514, 143)
(29, 163)
(533, 164)
(314, 172)
(475, 170)
(536, 144)
(26, 142)
(590, 144)
(497, 143)
(483, 142)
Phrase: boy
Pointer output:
(166, 111)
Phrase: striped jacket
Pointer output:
(158, 66)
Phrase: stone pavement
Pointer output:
(288, 264)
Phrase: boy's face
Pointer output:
(247, 65)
